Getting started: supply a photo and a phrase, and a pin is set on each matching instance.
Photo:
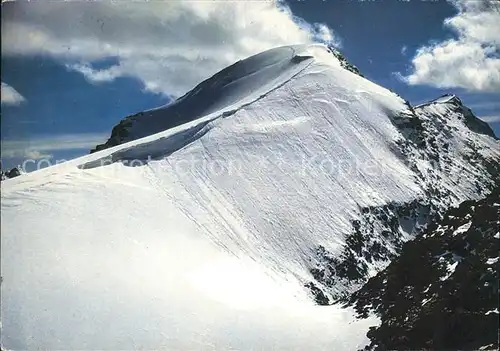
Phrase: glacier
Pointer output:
(197, 225)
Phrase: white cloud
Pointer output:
(490, 119)
(10, 96)
(470, 61)
(484, 105)
(170, 46)
(96, 76)
(40, 147)
(326, 35)
(36, 155)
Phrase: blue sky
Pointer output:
(70, 72)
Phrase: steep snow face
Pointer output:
(106, 261)
(458, 154)
(454, 157)
(450, 107)
(205, 235)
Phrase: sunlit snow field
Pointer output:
(183, 252)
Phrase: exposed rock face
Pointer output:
(118, 134)
(10, 173)
(344, 62)
(376, 239)
(441, 293)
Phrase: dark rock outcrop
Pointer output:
(10, 173)
(441, 293)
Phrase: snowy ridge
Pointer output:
(216, 229)
(242, 84)
(440, 100)
(236, 86)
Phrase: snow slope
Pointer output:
(204, 235)
(236, 85)
(451, 301)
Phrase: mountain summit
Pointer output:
(282, 182)
(236, 85)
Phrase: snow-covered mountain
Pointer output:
(233, 87)
(222, 220)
